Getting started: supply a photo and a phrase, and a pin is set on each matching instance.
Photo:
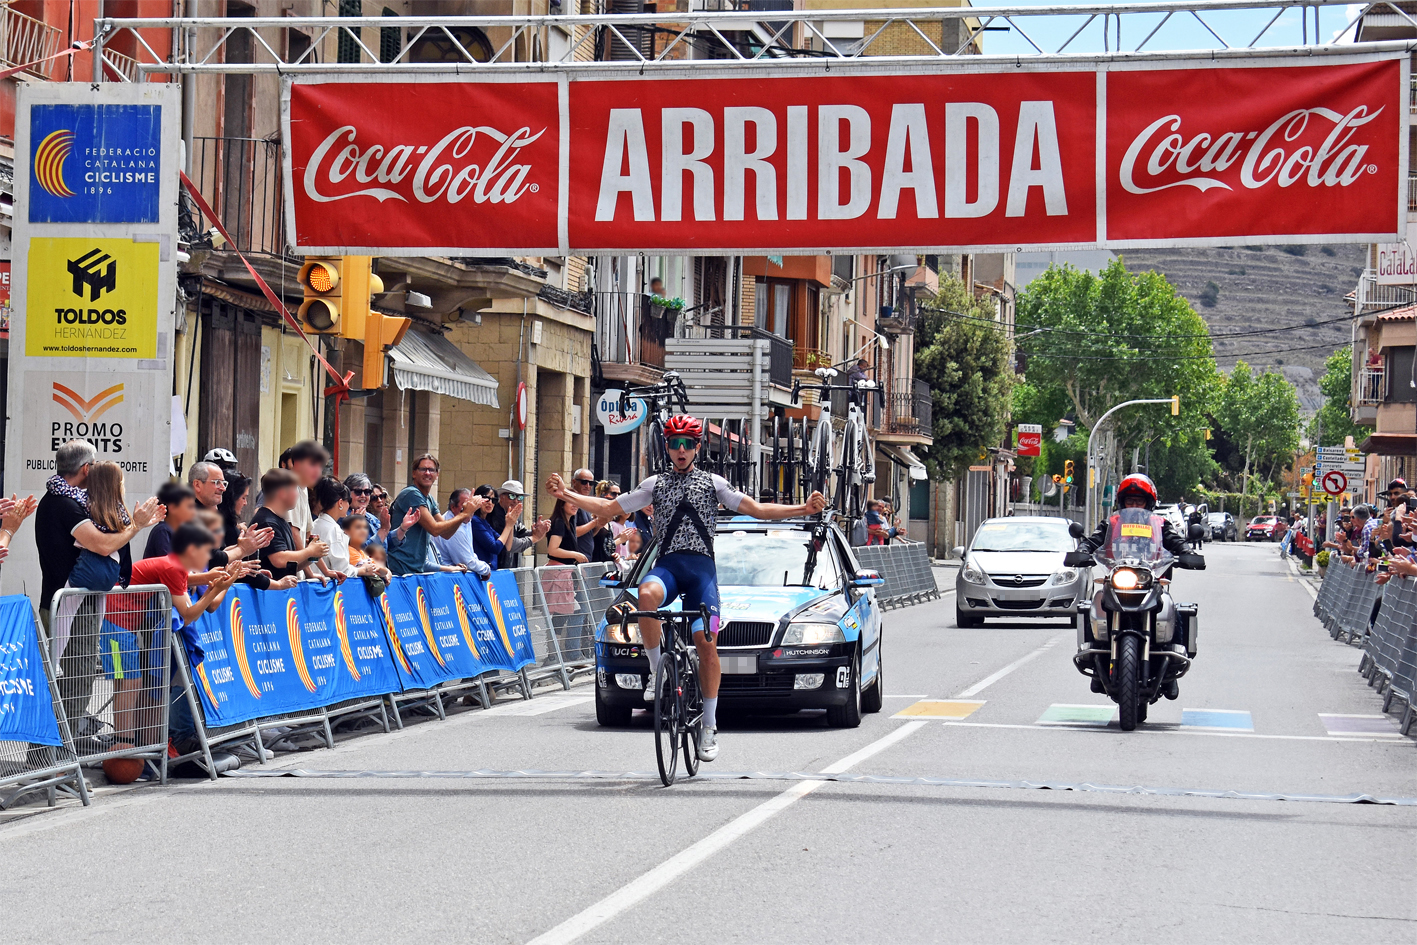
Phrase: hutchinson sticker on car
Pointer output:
(92, 298)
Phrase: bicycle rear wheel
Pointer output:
(819, 458)
(654, 447)
(666, 720)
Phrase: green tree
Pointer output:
(1260, 415)
(1093, 341)
(1334, 421)
(963, 353)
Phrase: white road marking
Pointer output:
(647, 885)
(1307, 585)
(1079, 727)
(988, 681)
(539, 706)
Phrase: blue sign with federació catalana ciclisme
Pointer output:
(26, 708)
(95, 163)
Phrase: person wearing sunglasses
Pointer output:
(361, 492)
(686, 502)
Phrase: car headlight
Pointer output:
(812, 634)
(971, 574)
(612, 628)
(1128, 579)
(1065, 576)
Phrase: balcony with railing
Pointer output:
(1370, 385)
(630, 331)
(23, 39)
(240, 178)
(1412, 193)
(905, 413)
(1372, 296)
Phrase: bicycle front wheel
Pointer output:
(666, 721)
(692, 717)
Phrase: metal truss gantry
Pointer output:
(803, 39)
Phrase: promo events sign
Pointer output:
(272, 652)
(94, 284)
(983, 158)
(26, 708)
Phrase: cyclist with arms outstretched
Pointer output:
(686, 502)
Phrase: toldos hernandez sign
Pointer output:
(1005, 160)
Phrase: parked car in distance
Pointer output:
(1264, 528)
(1222, 526)
(1014, 568)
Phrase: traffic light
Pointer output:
(379, 332)
(1068, 471)
(337, 293)
(1057, 479)
(1176, 405)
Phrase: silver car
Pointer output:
(1014, 568)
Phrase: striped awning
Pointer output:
(433, 363)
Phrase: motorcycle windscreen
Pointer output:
(1134, 535)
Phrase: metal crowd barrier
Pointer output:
(26, 768)
(905, 568)
(111, 650)
(1345, 605)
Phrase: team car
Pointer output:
(799, 626)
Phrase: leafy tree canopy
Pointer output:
(1333, 422)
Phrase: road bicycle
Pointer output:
(678, 701)
(844, 483)
(661, 400)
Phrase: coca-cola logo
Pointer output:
(1312, 145)
(445, 171)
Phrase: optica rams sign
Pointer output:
(1198, 155)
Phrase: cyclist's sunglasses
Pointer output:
(682, 442)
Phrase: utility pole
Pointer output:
(1175, 403)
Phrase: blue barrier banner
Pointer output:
(509, 612)
(26, 709)
(410, 630)
(443, 608)
(273, 652)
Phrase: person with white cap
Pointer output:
(511, 494)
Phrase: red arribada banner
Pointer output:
(1026, 158)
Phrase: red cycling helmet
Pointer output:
(1137, 484)
(683, 425)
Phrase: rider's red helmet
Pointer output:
(1138, 485)
(684, 425)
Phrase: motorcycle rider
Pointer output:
(1137, 491)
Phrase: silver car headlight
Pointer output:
(972, 574)
(812, 634)
(1065, 576)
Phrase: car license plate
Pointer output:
(739, 665)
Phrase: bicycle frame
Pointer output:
(678, 703)
(857, 468)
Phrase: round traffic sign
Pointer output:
(1334, 482)
(521, 406)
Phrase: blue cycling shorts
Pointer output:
(693, 578)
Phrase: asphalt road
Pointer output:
(602, 859)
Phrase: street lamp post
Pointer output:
(1091, 461)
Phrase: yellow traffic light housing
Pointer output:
(1176, 405)
(1057, 479)
(379, 331)
(321, 277)
(1068, 470)
(337, 294)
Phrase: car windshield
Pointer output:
(1263, 520)
(772, 558)
(1023, 535)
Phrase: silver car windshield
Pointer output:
(772, 558)
(1023, 535)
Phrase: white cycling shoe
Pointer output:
(650, 686)
(708, 744)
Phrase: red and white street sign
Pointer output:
(1089, 155)
(1334, 482)
(1030, 439)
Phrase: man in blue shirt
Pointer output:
(410, 556)
(457, 548)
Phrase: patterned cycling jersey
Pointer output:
(685, 508)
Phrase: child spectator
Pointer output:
(181, 504)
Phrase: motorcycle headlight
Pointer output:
(812, 634)
(1127, 579)
(1065, 576)
(972, 574)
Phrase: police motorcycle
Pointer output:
(1134, 640)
